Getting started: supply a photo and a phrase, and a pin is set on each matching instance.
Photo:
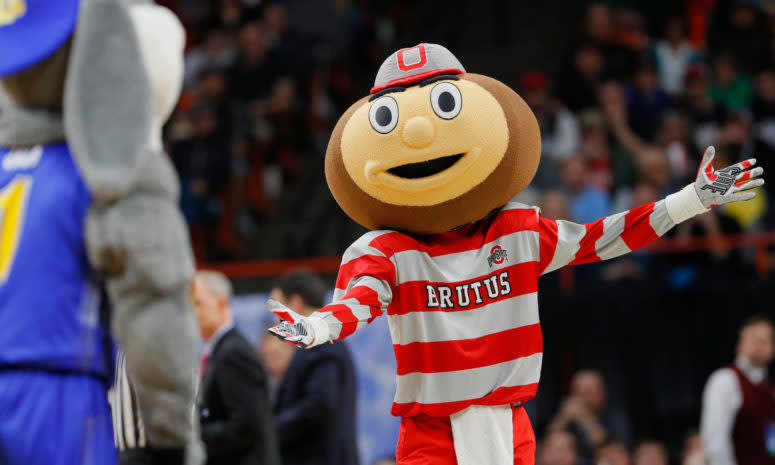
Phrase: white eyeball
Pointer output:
(383, 114)
(446, 100)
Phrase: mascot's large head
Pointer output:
(432, 147)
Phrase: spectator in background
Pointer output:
(673, 54)
(692, 453)
(554, 205)
(577, 84)
(215, 52)
(276, 356)
(315, 407)
(586, 202)
(650, 453)
(251, 75)
(233, 405)
(557, 448)
(559, 127)
(700, 108)
(646, 102)
(586, 416)
(730, 89)
(740, 29)
(596, 149)
(613, 452)
(763, 113)
(738, 404)
(654, 169)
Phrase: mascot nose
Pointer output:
(418, 132)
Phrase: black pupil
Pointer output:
(446, 102)
(383, 116)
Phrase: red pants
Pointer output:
(424, 440)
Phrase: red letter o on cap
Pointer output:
(423, 59)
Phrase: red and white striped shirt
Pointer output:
(462, 305)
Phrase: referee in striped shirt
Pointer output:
(128, 427)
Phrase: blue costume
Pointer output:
(55, 346)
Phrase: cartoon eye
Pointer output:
(446, 100)
(383, 114)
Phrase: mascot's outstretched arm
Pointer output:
(363, 289)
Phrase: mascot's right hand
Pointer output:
(293, 328)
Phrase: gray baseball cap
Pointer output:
(413, 64)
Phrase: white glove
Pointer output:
(294, 328)
(728, 184)
(713, 188)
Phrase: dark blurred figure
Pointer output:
(650, 453)
(315, 406)
(557, 448)
(739, 28)
(763, 113)
(251, 75)
(738, 405)
(577, 84)
(700, 108)
(203, 162)
(618, 34)
(646, 102)
(234, 409)
(586, 416)
(613, 452)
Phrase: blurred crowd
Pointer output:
(624, 120)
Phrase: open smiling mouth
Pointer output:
(425, 168)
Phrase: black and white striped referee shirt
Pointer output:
(128, 428)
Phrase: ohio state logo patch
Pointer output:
(497, 256)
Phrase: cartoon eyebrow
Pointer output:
(442, 77)
(379, 94)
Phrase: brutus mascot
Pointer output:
(430, 162)
(90, 231)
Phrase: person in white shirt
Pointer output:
(738, 405)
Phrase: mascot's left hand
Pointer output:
(728, 184)
(293, 328)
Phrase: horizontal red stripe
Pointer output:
(435, 357)
(345, 315)
(469, 237)
(412, 296)
(365, 296)
(501, 396)
(366, 265)
(586, 252)
(548, 242)
(637, 228)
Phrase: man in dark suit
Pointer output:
(233, 401)
(315, 404)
